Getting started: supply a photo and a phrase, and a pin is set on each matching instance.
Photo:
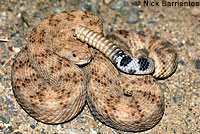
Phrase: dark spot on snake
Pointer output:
(23, 84)
(60, 97)
(114, 108)
(64, 105)
(144, 64)
(125, 60)
(133, 82)
(75, 81)
(34, 105)
(106, 111)
(133, 114)
(132, 71)
(127, 94)
(144, 94)
(68, 65)
(170, 51)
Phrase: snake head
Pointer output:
(73, 50)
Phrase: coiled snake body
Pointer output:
(49, 83)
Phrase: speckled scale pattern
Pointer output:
(121, 101)
(48, 83)
(46, 80)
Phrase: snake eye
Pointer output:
(74, 55)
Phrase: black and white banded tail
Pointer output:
(125, 63)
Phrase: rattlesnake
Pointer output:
(55, 74)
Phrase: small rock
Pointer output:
(133, 18)
(125, 11)
(73, 131)
(196, 11)
(32, 126)
(74, 2)
(85, 6)
(107, 2)
(179, 98)
(149, 20)
(5, 118)
(3, 16)
(18, 132)
(16, 49)
(117, 5)
(14, 34)
(94, 8)
(192, 53)
(197, 64)
(129, 14)
(174, 39)
(8, 100)
(174, 99)
(182, 62)
(59, 9)
(181, 44)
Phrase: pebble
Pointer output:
(181, 44)
(107, 2)
(9, 101)
(58, 10)
(32, 126)
(18, 133)
(197, 29)
(174, 99)
(73, 131)
(149, 20)
(130, 14)
(42, 132)
(3, 16)
(117, 5)
(133, 18)
(16, 49)
(126, 10)
(196, 11)
(85, 6)
(197, 64)
(174, 39)
(74, 2)
(5, 118)
(182, 62)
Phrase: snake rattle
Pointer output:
(125, 63)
